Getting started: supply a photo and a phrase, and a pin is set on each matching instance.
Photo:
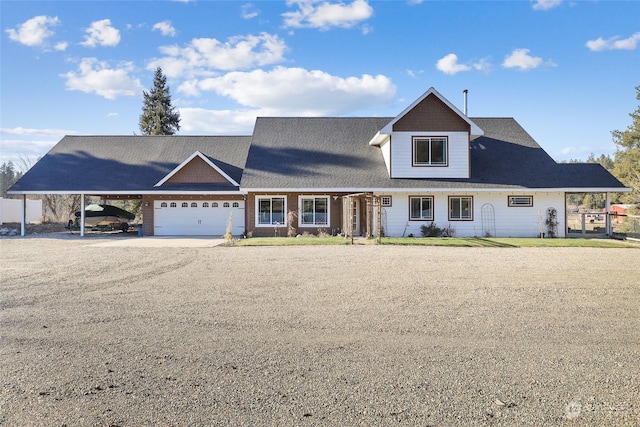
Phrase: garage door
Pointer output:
(197, 218)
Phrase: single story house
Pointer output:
(353, 175)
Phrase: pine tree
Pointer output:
(627, 156)
(158, 115)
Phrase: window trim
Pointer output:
(422, 210)
(511, 204)
(270, 197)
(301, 213)
(382, 202)
(415, 163)
(451, 218)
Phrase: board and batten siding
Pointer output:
(402, 162)
(508, 221)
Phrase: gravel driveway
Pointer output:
(306, 336)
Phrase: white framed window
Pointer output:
(185, 204)
(225, 205)
(214, 204)
(430, 151)
(194, 205)
(385, 201)
(460, 208)
(173, 204)
(236, 205)
(205, 204)
(271, 210)
(520, 201)
(421, 208)
(163, 204)
(314, 211)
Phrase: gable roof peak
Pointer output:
(475, 129)
(188, 160)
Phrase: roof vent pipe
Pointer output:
(465, 93)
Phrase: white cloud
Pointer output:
(34, 132)
(203, 55)
(249, 11)
(546, 4)
(414, 73)
(449, 64)
(414, 2)
(296, 91)
(483, 65)
(61, 46)
(325, 15)
(614, 43)
(521, 59)
(101, 33)
(34, 31)
(96, 77)
(165, 28)
(218, 122)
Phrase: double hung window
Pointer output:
(271, 210)
(460, 208)
(429, 151)
(314, 211)
(421, 208)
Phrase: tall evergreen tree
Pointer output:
(8, 176)
(158, 115)
(627, 156)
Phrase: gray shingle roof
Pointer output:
(129, 163)
(299, 153)
(320, 153)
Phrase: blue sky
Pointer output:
(565, 70)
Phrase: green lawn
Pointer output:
(438, 241)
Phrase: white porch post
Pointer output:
(607, 208)
(23, 215)
(81, 215)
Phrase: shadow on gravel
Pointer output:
(476, 241)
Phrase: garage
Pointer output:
(197, 217)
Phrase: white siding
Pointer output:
(458, 156)
(509, 221)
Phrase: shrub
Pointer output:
(431, 230)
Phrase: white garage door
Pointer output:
(197, 218)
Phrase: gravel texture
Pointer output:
(306, 336)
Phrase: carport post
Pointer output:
(81, 215)
(607, 218)
(23, 215)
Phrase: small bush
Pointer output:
(431, 230)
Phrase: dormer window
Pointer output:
(430, 151)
